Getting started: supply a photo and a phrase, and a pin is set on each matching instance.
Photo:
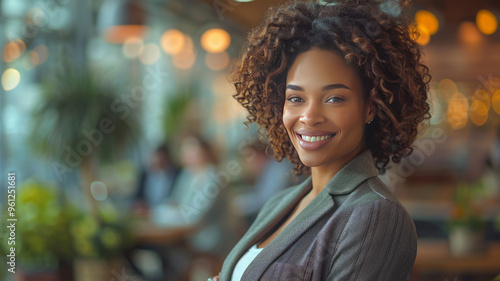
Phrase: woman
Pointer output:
(340, 91)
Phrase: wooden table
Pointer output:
(146, 232)
(433, 255)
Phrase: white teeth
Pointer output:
(315, 138)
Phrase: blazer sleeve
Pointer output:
(378, 242)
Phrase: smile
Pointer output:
(315, 138)
(313, 142)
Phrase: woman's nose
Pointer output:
(312, 115)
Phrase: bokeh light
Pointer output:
(482, 96)
(458, 108)
(421, 35)
(478, 112)
(10, 79)
(133, 47)
(173, 41)
(184, 62)
(13, 50)
(217, 61)
(435, 107)
(99, 190)
(31, 60)
(486, 22)
(428, 20)
(446, 88)
(215, 40)
(119, 34)
(495, 101)
(43, 52)
(150, 54)
(36, 16)
(187, 57)
(469, 34)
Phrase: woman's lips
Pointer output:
(307, 145)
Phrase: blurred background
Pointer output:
(130, 159)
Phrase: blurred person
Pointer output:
(189, 202)
(198, 199)
(340, 101)
(270, 176)
(156, 181)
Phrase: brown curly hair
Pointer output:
(379, 45)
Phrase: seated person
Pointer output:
(156, 181)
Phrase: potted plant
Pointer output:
(43, 241)
(99, 242)
(82, 121)
(466, 225)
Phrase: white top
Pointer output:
(243, 263)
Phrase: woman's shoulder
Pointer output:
(374, 201)
(373, 189)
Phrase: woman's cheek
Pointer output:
(287, 118)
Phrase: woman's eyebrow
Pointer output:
(325, 88)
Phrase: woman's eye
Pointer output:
(295, 99)
(335, 99)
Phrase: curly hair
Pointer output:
(379, 45)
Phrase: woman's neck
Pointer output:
(321, 175)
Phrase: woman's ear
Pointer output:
(370, 112)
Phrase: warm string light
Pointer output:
(460, 107)
(486, 22)
(13, 50)
(180, 46)
(173, 41)
(215, 40)
(427, 25)
(10, 79)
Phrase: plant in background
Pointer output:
(466, 225)
(80, 122)
(466, 211)
(175, 110)
(43, 239)
(104, 236)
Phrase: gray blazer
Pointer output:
(354, 229)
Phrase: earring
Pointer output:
(370, 121)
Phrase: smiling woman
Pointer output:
(340, 91)
(324, 112)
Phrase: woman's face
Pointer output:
(324, 112)
(192, 154)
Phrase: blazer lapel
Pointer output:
(318, 207)
(269, 220)
(358, 170)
